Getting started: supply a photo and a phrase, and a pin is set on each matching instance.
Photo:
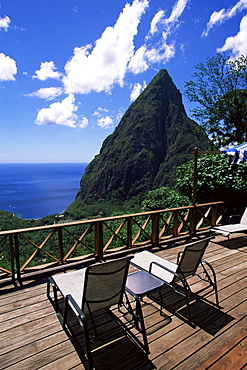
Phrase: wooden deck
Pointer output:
(31, 336)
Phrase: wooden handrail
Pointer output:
(93, 220)
(95, 238)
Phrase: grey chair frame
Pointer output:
(180, 274)
(90, 305)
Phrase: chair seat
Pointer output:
(71, 283)
(143, 260)
(234, 228)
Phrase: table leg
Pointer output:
(141, 321)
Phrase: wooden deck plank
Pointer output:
(184, 329)
(189, 352)
(208, 322)
(201, 357)
(39, 359)
(72, 361)
(26, 328)
(32, 338)
(236, 358)
(225, 358)
(14, 342)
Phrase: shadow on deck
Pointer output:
(31, 337)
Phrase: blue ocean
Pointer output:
(35, 190)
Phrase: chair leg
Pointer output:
(143, 329)
(129, 308)
(215, 288)
(138, 319)
(48, 287)
(161, 302)
(188, 293)
(65, 313)
(188, 306)
(84, 324)
(212, 281)
(50, 282)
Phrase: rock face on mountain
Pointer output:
(154, 136)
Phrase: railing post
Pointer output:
(60, 244)
(98, 240)
(129, 232)
(12, 258)
(195, 177)
(193, 221)
(17, 258)
(155, 229)
(193, 212)
(214, 214)
(175, 225)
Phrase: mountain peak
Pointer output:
(153, 137)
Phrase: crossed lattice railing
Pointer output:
(36, 248)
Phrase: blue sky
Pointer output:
(69, 69)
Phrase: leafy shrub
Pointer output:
(162, 198)
(217, 180)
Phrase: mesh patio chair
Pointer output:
(175, 274)
(88, 290)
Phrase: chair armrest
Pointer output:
(76, 307)
(164, 268)
(179, 256)
(203, 262)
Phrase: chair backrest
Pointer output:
(244, 217)
(191, 257)
(104, 284)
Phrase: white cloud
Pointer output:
(137, 89)
(5, 23)
(105, 122)
(138, 64)
(151, 53)
(155, 21)
(120, 114)
(98, 68)
(47, 70)
(223, 15)
(162, 54)
(83, 122)
(237, 44)
(177, 11)
(8, 68)
(48, 93)
(100, 111)
(59, 113)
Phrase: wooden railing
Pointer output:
(32, 249)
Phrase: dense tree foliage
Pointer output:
(218, 179)
(220, 88)
(162, 198)
(9, 221)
